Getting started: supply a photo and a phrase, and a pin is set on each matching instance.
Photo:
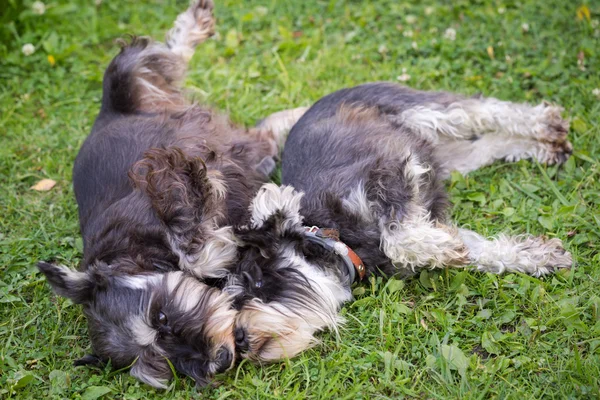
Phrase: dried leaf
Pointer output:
(44, 185)
(490, 51)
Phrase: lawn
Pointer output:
(447, 334)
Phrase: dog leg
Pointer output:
(280, 123)
(191, 28)
(466, 156)
(471, 133)
(535, 256)
(419, 242)
(146, 76)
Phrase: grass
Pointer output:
(447, 334)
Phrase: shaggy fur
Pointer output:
(189, 256)
(149, 237)
(369, 161)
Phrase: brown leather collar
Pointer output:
(330, 239)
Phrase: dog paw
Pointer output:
(191, 28)
(554, 152)
(204, 27)
(552, 134)
(548, 256)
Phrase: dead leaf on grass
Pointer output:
(44, 185)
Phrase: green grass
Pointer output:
(447, 334)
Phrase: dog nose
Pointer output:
(224, 359)
(241, 339)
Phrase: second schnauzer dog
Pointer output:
(363, 171)
(151, 239)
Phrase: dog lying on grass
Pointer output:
(191, 258)
(151, 239)
(364, 194)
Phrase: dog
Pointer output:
(363, 195)
(160, 182)
(190, 257)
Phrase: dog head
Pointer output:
(151, 321)
(286, 287)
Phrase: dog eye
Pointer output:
(162, 318)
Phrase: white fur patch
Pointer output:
(70, 276)
(191, 27)
(528, 254)
(139, 281)
(358, 203)
(271, 199)
(281, 122)
(418, 242)
(186, 291)
(465, 118)
(143, 333)
(218, 252)
(138, 371)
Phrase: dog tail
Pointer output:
(145, 76)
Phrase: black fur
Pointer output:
(142, 181)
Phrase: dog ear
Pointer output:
(89, 359)
(66, 282)
(183, 193)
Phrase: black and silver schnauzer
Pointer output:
(192, 258)
(363, 171)
(159, 182)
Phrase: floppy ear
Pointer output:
(89, 359)
(66, 282)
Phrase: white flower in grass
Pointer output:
(429, 10)
(596, 92)
(28, 49)
(404, 77)
(414, 45)
(595, 23)
(525, 27)
(408, 33)
(38, 7)
(450, 34)
(501, 10)
(410, 19)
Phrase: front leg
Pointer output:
(532, 255)
(422, 243)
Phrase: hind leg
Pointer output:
(469, 155)
(280, 123)
(474, 132)
(535, 256)
(191, 28)
(146, 75)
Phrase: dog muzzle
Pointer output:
(330, 240)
